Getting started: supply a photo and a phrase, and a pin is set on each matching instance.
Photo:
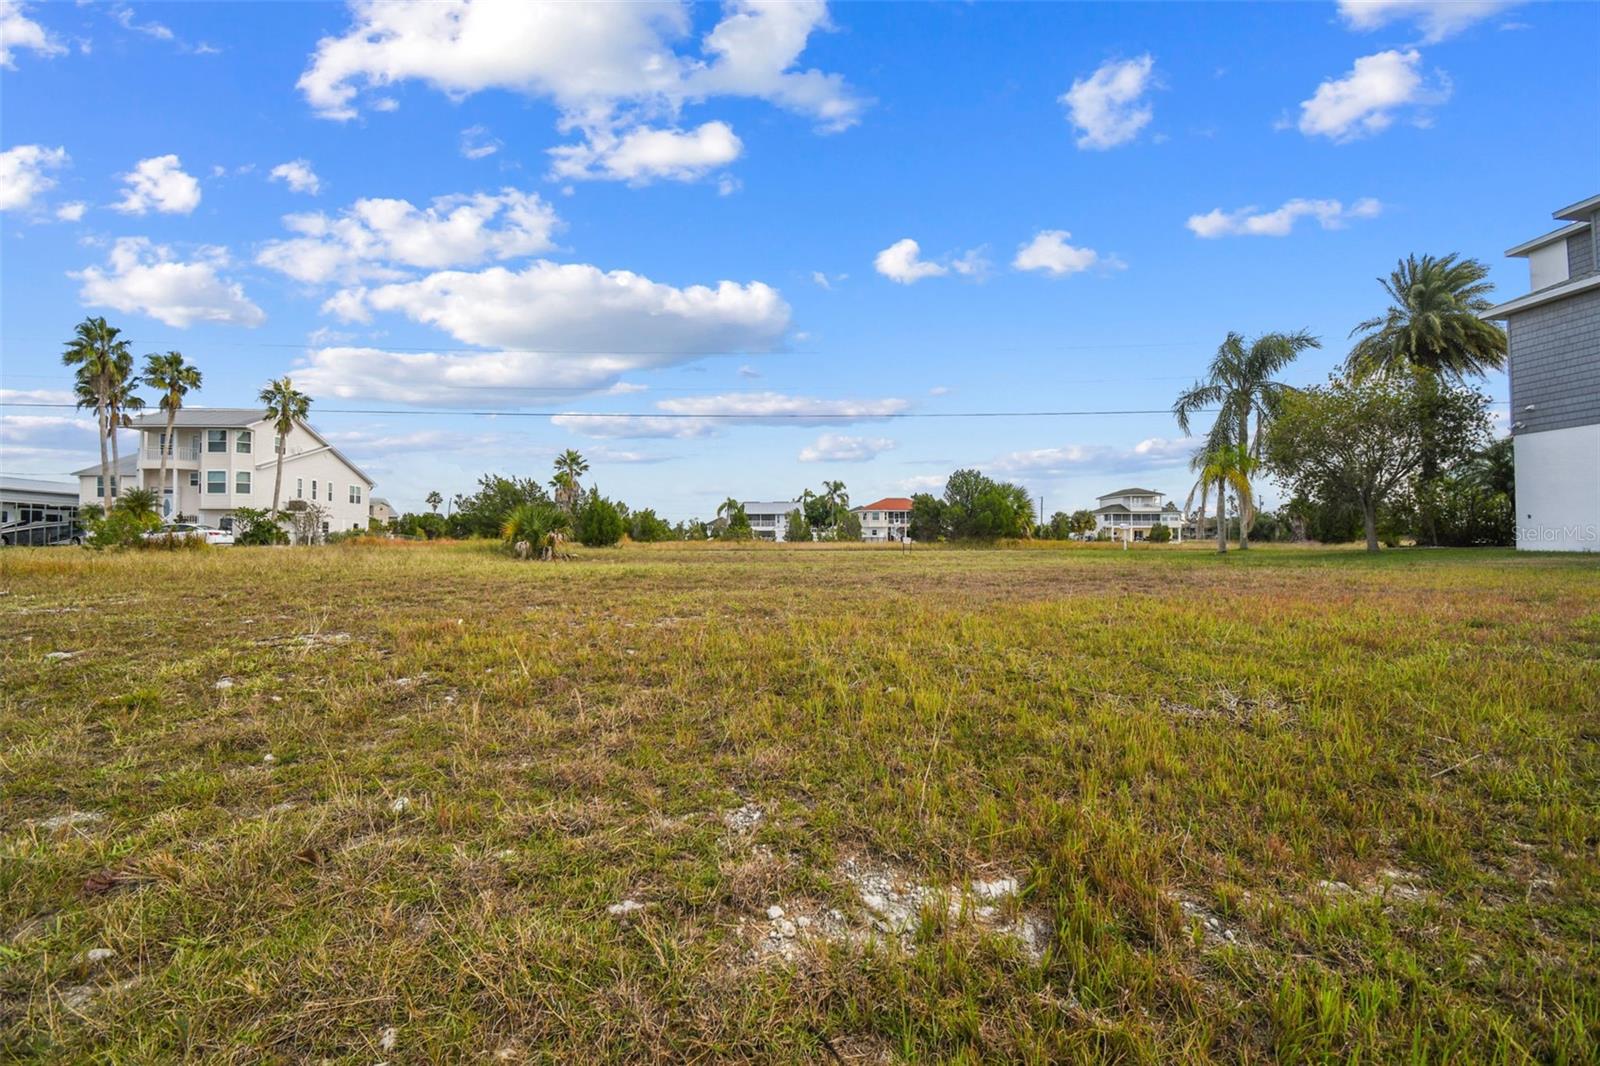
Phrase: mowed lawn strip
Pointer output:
(381, 802)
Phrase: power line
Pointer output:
(807, 416)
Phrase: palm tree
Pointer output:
(728, 508)
(285, 405)
(1432, 329)
(141, 503)
(433, 499)
(1432, 322)
(1227, 466)
(570, 467)
(173, 378)
(1239, 383)
(95, 350)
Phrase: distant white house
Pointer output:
(1132, 513)
(884, 519)
(381, 510)
(37, 512)
(226, 458)
(769, 519)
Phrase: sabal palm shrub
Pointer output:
(139, 502)
(539, 525)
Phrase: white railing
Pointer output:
(188, 452)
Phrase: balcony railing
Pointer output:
(187, 452)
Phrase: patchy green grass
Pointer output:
(1292, 805)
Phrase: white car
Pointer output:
(209, 534)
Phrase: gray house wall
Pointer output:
(1555, 363)
(1580, 253)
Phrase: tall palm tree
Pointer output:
(1432, 322)
(174, 378)
(96, 350)
(1432, 329)
(1240, 384)
(285, 405)
(433, 500)
(120, 400)
(728, 508)
(837, 499)
(570, 467)
(1228, 466)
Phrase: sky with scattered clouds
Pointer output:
(739, 248)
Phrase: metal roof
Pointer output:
(9, 484)
(128, 464)
(203, 418)
(1131, 492)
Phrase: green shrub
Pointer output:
(599, 523)
(1160, 533)
(532, 524)
(121, 528)
(253, 526)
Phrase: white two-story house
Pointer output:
(884, 519)
(1132, 513)
(222, 458)
(769, 519)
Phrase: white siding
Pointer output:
(1558, 489)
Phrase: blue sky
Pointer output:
(644, 210)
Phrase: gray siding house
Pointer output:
(1554, 365)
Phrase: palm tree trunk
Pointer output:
(105, 464)
(1222, 516)
(111, 431)
(168, 443)
(277, 481)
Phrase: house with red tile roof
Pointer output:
(884, 519)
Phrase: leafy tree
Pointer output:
(173, 378)
(848, 527)
(284, 406)
(120, 528)
(1160, 533)
(98, 353)
(483, 513)
(735, 523)
(1433, 323)
(599, 523)
(254, 526)
(796, 528)
(140, 502)
(1360, 440)
(1240, 384)
(434, 500)
(305, 520)
(429, 525)
(1082, 521)
(977, 507)
(926, 521)
(692, 529)
(646, 527)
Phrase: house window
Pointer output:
(241, 482)
(100, 486)
(313, 490)
(324, 527)
(216, 440)
(277, 444)
(355, 493)
(241, 441)
(226, 523)
(194, 479)
(299, 488)
(216, 482)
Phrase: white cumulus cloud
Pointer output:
(149, 279)
(705, 415)
(373, 238)
(298, 175)
(18, 31)
(902, 262)
(159, 184)
(608, 68)
(1251, 222)
(643, 154)
(1437, 19)
(477, 144)
(1067, 459)
(549, 325)
(22, 174)
(838, 448)
(1109, 106)
(1050, 253)
(1366, 100)
(71, 211)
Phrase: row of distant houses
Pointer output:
(1129, 514)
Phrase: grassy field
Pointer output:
(690, 802)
